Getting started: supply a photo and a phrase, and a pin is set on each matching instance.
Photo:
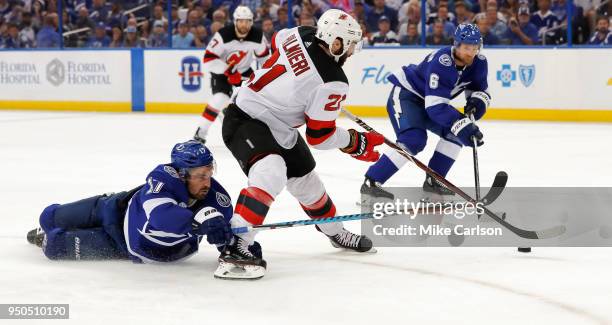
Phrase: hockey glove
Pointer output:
(210, 223)
(477, 104)
(465, 130)
(233, 78)
(362, 145)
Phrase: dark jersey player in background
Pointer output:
(420, 102)
(228, 58)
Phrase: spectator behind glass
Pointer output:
(283, 19)
(442, 14)
(267, 26)
(158, 14)
(72, 39)
(206, 8)
(220, 17)
(200, 36)
(544, 19)
(412, 36)
(37, 19)
(99, 11)
(27, 32)
(116, 16)
(384, 35)
(5, 8)
(306, 19)
(158, 37)
(47, 37)
(358, 11)
(99, 39)
(116, 37)
(522, 32)
(437, 37)
(410, 12)
(365, 35)
(496, 26)
(194, 19)
(83, 21)
(602, 35)
(14, 16)
(11, 40)
(488, 38)
(462, 14)
(184, 38)
(380, 9)
(131, 37)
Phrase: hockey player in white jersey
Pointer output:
(301, 83)
(228, 59)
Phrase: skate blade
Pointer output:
(372, 250)
(231, 271)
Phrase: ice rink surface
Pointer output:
(62, 157)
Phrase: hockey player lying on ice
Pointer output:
(163, 220)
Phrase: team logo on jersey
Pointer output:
(527, 74)
(234, 58)
(191, 74)
(506, 75)
(171, 171)
(223, 200)
(445, 60)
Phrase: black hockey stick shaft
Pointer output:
(529, 234)
(475, 159)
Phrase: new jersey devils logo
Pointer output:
(234, 58)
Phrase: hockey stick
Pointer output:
(475, 158)
(318, 221)
(529, 234)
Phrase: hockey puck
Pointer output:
(524, 249)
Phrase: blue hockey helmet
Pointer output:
(190, 154)
(467, 34)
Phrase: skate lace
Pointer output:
(243, 248)
(347, 238)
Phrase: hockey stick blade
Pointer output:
(498, 186)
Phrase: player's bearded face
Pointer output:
(198, 181)
(466, 53)
(243, 26)
(338, 47)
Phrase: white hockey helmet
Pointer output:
(243, 12)
(335, 23)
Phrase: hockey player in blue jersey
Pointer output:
(163, 220)
(420, 102)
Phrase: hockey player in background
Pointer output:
(301, 83)
(161, 221)
(420, 101)
(228, 59)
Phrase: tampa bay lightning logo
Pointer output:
(527, 74)
(223, 200)
(191, 74)
(171, 171)
(445, 60)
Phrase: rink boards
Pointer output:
(525, 84)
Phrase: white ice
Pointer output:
(61, 157)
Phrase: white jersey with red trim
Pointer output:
(225, 49)
(299, 84)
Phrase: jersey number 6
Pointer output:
(275, 71)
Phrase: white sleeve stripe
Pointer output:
(151, 204)
(435, 100)
(401, 77)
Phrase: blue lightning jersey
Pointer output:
(437, 80)
(158, 221)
